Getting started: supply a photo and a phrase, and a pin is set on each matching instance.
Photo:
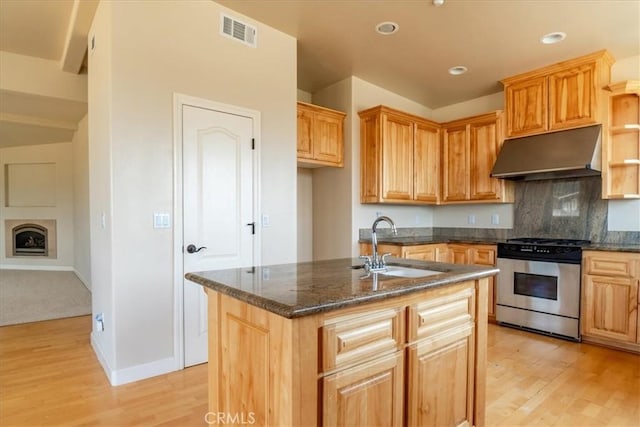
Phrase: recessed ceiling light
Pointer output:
(552, 38)
(386, 28)
(438, 2)
(457, 70)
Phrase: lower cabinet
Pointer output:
(440, 386)
(454, 253)
(610, 298)
(369, 394)
(434, 252)
(418, 359)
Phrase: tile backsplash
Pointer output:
(567, 208)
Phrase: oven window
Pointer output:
(535, 285)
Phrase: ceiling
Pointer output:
(337, 39)
(492, 38)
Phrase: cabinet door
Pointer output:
(459, 254)
(455, 164)
(572, 97)
(370, 394)
(327, 138)
(484, 140)
(426, 163)
(610, 309)
(397, 158)
(526, 106)
(440, 377)
(305, 133)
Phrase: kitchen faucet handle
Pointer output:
(367, 260)
(383, 261)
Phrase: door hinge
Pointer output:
(253, 143)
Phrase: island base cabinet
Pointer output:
(268, 370)
(370, 394)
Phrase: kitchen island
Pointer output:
(323, 343)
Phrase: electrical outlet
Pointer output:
(266, 221)
(378, 214)
(99, 322)
(495, 219)
(471, 220)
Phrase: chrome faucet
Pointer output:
(376, 262)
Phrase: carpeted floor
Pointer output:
(31, 296)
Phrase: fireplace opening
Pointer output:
(30, 240)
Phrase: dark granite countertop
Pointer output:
(428, 240)
(296, 290)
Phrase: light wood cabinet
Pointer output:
(370, 394)
(454, 253)
(354, 366)
(399, 157)
(479, 255)
(469, 149)
(431, 252)
(621, 143)
(610, 298)
(560, 96)
(320, 136)
(440, 361)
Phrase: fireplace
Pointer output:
(30, 240)
(34, 238)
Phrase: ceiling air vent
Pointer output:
(238, 30)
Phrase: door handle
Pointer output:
(192, 249)
(253, 227)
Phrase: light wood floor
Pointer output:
(50, 376)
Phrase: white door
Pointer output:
(218, 199)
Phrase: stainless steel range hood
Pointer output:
(563, 154)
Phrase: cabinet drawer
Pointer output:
(430, 318)
(611, 264)
(356, 338)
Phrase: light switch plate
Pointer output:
(161, 220)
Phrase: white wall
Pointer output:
(180, 50)
(472, 107)
(305, 202)
(338, 214)
(81, 237)
(61, 209)
(305, 214)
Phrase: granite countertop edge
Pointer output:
(412, 285)
(432, 240)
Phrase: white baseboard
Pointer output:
(82, 279)
(133, 373)
(37, 267)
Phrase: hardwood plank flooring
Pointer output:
(50, 376)
(542, 381)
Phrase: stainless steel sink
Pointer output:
(398, 271)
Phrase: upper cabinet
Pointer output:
(399, 157)
(621, 144)
(320, 136)
(564, 95)
(470, 147)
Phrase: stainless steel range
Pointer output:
(538, 287)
